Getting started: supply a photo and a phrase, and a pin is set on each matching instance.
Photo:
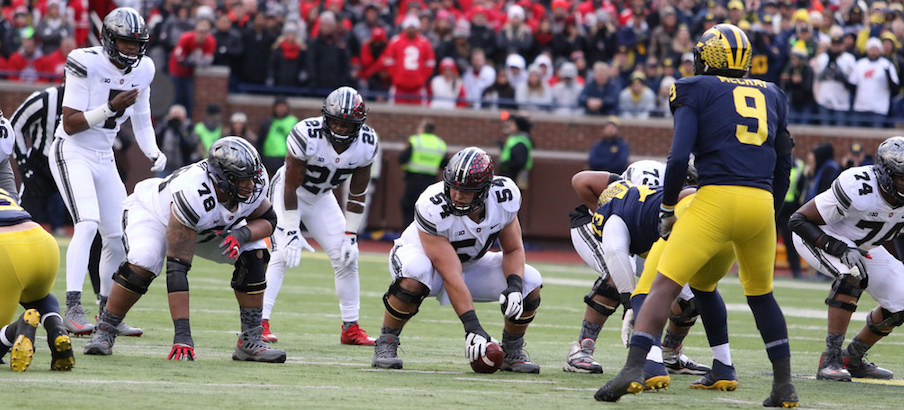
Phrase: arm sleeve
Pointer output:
(682, 142)
(142, 127)
(616, 244)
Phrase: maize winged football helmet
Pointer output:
(723, 50)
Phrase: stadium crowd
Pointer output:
(839, 62)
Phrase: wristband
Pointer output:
(290, 218)
(183, 332)
(469, 320)
(242, 234)
(98, 115)
(353, 221)
(664, 208)
(515, 282)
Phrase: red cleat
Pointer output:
(354, 335)
(267, 336)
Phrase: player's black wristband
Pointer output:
(833, 246)
(242, 235)
(183, 332)
(515, 284)
(625, 300)
(472, 325)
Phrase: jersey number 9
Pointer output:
(751, 103)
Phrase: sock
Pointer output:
(53, 325)
(771, 323)
(589, 331)
(346, 325)
(655, 354)
(390, 331)
(7, 336)
(112, 319)
(103, 303)
(511, 341)
(47, 304)
(637, 302)
(672, 340)
(834, 341)
(250, 317)
(781, 370)
(714, 316)
(641, 343)
(722, 353)
(73, 298)
(856, 349)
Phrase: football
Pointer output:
(489, 362)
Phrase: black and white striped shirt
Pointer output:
(36, 120)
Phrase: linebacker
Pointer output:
(216, 209)
(444, 254)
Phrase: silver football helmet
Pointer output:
(124, 23)
(645, 172)
(344, 113)
(889, 166)
(231, 160)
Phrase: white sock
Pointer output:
(655, 354)
(349, 290)
(276, 271)
(112, 255)
(722, 353)
(78, 253)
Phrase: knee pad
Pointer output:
(250, 274)
(176, 275)
(601, 287)
(688, 315)
(889, 322)
(131, 280)
(530, 308)
(845, 285)
(405, 296)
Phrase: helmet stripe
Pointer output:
(463, 165)
(133, 22)
(741, 47)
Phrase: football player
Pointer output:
(29, 259)
(216, 209)
(323, 152)
(843, 232)
(737, 130)
(445, 254)
(105, 86)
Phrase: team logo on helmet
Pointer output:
(723, 50)
(344, 113)
(469, 170)
(232, 160)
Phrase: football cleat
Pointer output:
(101, 343)
(864, 369)
(678, 363)
(61, 353)
(250, 348)
(516, 360)
(655, 376)
(76, 322)
(267, 336)
(386, 354)
(832, 368)
(125, 330)
(580, 358)
(784, 396)
(354, 335)
(629, 380)
(23, 349)
(721, 377)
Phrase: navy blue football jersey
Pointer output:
(638, 206)
(10, 212)
(737, 123)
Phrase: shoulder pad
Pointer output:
(854, 188)
(682, 92)
(190, 190)
(299, 141)
(505, 192)
(74, 66)
(431, 210)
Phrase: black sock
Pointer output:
(251, 317)
(53, 325)
(73, 298)
(390, 331)
(771, 323)
(781, 370)
(834, 342)
(857, 348)
(512, 342)
(589, 330)
(641, 342)
(346, 325)
(673, 341)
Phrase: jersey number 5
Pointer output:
(751, 103)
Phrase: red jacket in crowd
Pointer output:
(410, 61)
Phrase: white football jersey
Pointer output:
(7, 137)
(91, 81)
(470, 239)
(189, 192)
(855, 210)
(325, 168)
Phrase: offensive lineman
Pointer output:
(217, 201)
(323, 152)
(105, 85)
(834, 231)
(444, 253)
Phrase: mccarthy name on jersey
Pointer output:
(854, 209)
(91, 81)
(325, 168)
(470, 239)
(189, 193)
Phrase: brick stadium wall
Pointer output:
(562, 144)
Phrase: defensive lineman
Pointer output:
(217, 201)
(444, 254)
(105, 85)
(323, 152)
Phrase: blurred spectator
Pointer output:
(566, 91)
(373, 70)
(410, 60)
(173, 27)
(636, 100)
(458, 46)
(515, 37)
(50, 67)
(230, 47)
(803, 37)
(686, 67)
(515, 70)
(23, 61)
(257, 41)
(287, 60)
(544, 63)
(569, 40)
(363, 30)
(273, 134)
(821, 170)
(580, 61)
(856, 157)
(534, 94)
(653, 71)
(53, 27)
(441, 36)
(477, 77)
(238, 125)
(209, 130)
(832, 69)
(542, 39)
(516, 153)
(176, 140)
(797, 81)
(447, 88)
(611, 152)
(767, 58)
(422, 160)
(789, 206)
(601, 44)
(875, 78)
(9, 37)
(662, 36)
(663, 95)
(600, 95)
(682, 42)
(328, 58)
(483, 35)
(500, 94)
(240, 16)
(195, 49)
(632, 40)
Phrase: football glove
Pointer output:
(854, 258)
(512, 300)
(349, 252)
(476, 344)
(666, 221)
(627, 327)
(233, 241)
(291, 243)
(159, 162)
(182, 352)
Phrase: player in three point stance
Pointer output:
(444, 253)
(861, 213)
(105, 86)
(323, 152)
(216, 209)
(737, 130)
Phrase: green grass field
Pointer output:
(321, 373)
